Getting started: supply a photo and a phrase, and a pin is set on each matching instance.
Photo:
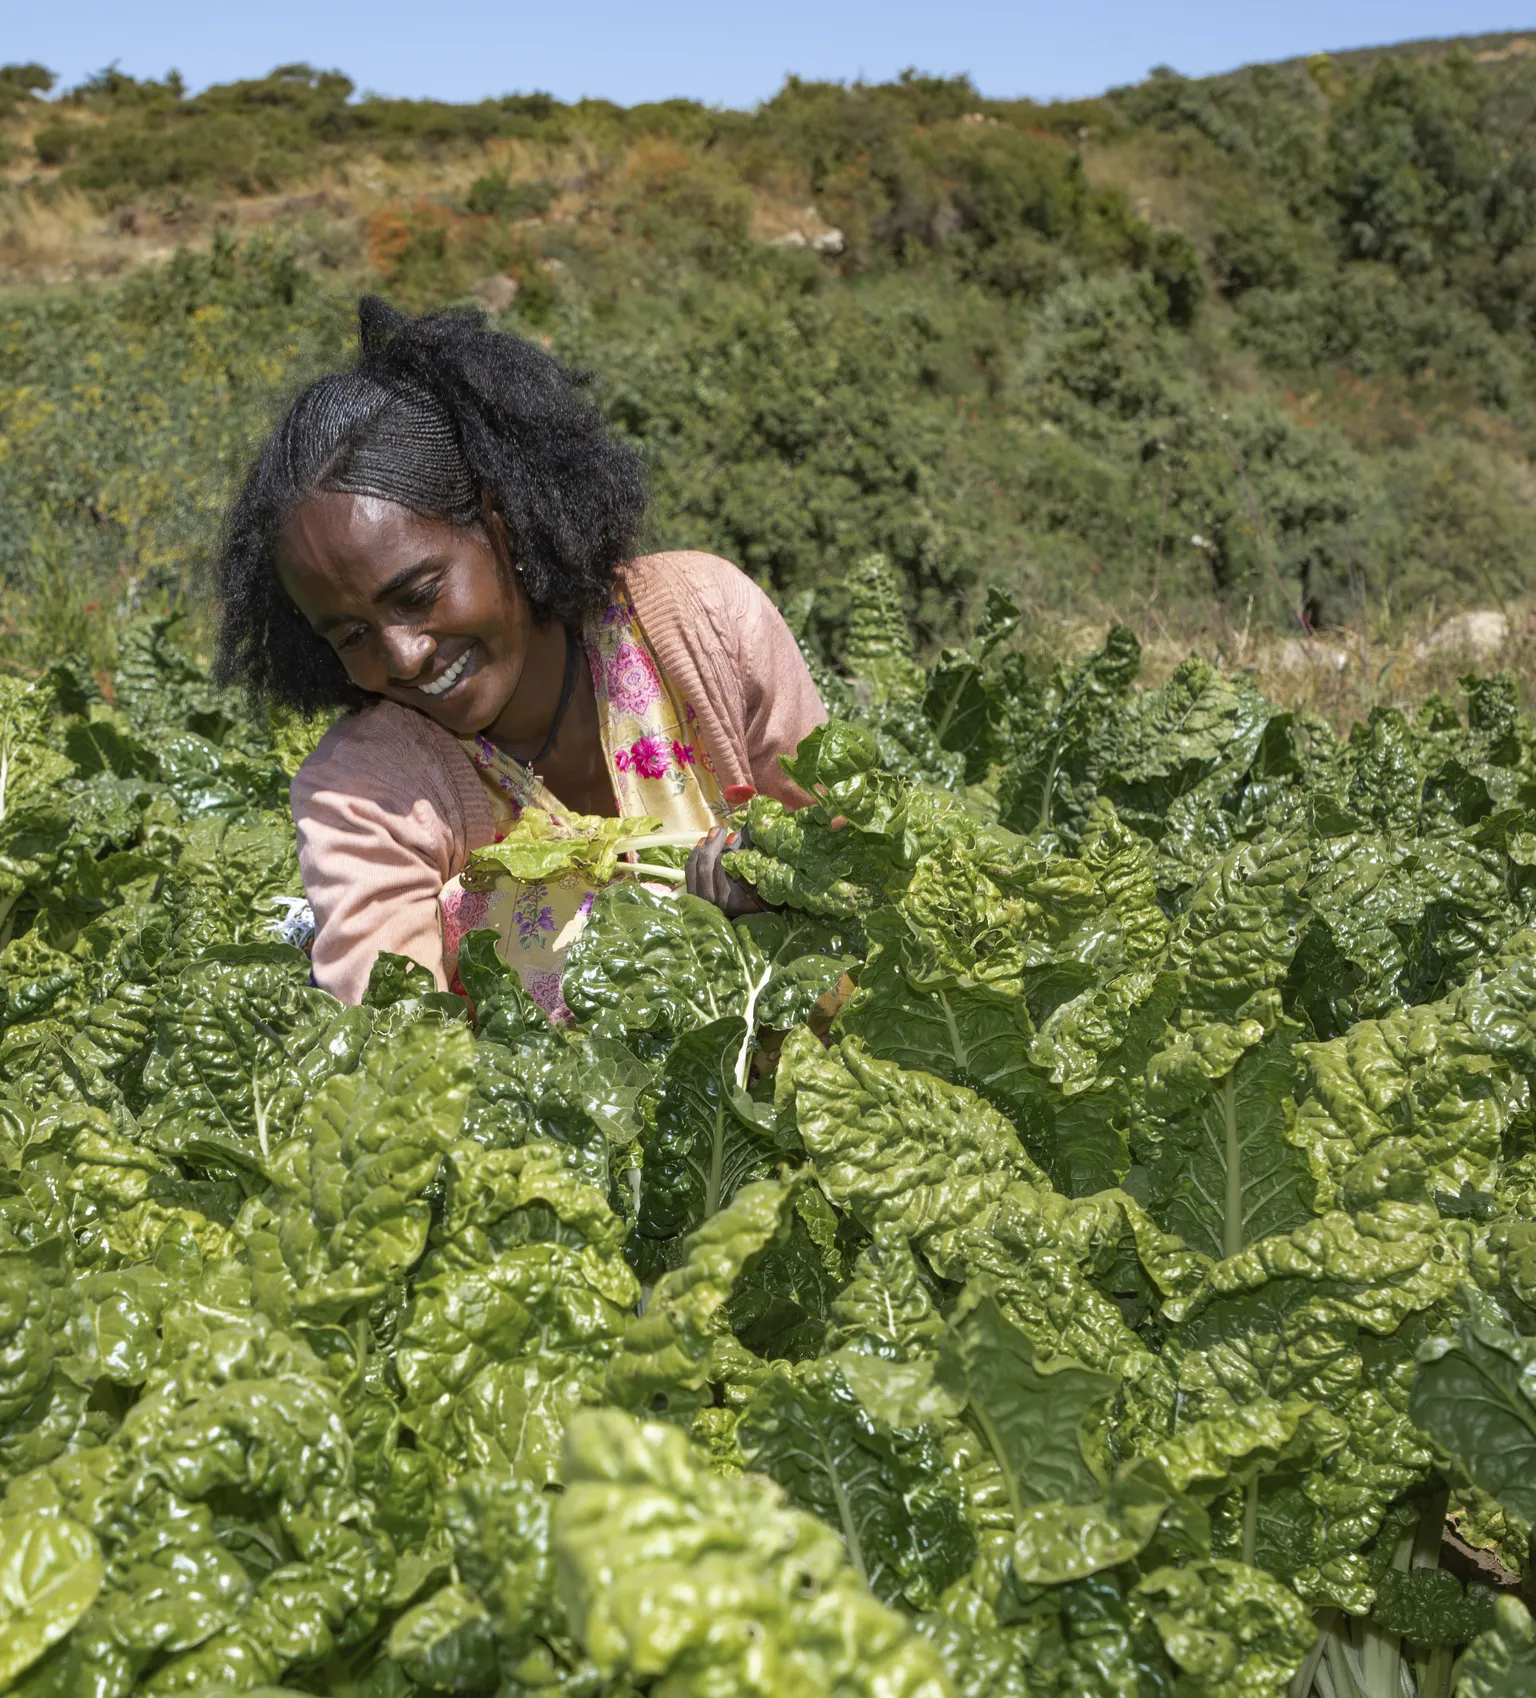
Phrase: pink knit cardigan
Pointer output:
(388, 807)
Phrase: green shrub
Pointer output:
(1255, 245)
(126, 416)
(19, 83)
(1175, 268)
(792, 434)
(495, 197)
(1368, 320)
(1459, 530)
(1412, 166)
(54, 142)
(995, 181)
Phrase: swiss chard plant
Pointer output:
(1079, 1241)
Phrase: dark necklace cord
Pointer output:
(567, 690)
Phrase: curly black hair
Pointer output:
(439, 413)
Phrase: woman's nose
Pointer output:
(406, 651)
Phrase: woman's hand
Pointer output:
(707, 878)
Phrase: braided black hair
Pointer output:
(437, 414)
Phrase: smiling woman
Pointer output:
(442, 541)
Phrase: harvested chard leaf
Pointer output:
(541, 846)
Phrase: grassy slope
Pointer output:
(1218, 357)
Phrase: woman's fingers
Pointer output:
(705, 875)
(703, 863)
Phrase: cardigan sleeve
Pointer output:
(779, 699)
(382, 827)
(727, 646)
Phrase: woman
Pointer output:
(442, 540)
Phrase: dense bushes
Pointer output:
(125, 417)
(793, 433)
(1301, 388)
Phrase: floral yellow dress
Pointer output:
(657, 765)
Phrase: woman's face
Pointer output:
(418, 610)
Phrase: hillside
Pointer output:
(1240, 355)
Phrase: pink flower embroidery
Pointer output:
(631, 678)
(646, 757)
(682, 753)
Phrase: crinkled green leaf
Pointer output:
(780, 1306)
(896, 1147)
(1429, 1607)
(1054, 1265)
(1238, 932)
(982, 1661)
(654, 967)
(1501, 1663)
(1475, 1396)
(1232, 1630)
(241, 1041)
(705, 1137)
(50, 1572)
(1053, 734)
(1033, 1415)
(1198, 731)
(908, 1011)
(1040, 1423)
(1415, 1106)
(515, 1315)
(807, 956)
(885, 1336)
(1326, 1314)
(666, 1357)
(1213, 1131)
(347, 1214)
(446, 1642)
(956, 704)
(673, 1575)
(884, 1491)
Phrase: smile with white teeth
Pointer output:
(448, 679)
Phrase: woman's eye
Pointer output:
(419, 598)
(350, 639)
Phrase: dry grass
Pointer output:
(1340, 674)
(1148, 173)
(49, 236)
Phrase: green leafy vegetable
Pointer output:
(50, 1572)
(1064, 1263)
(542, 846)
(1475, 1395)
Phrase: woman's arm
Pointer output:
(381, 829)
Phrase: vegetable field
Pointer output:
(1081, 1242)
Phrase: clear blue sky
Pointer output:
(724, 53)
